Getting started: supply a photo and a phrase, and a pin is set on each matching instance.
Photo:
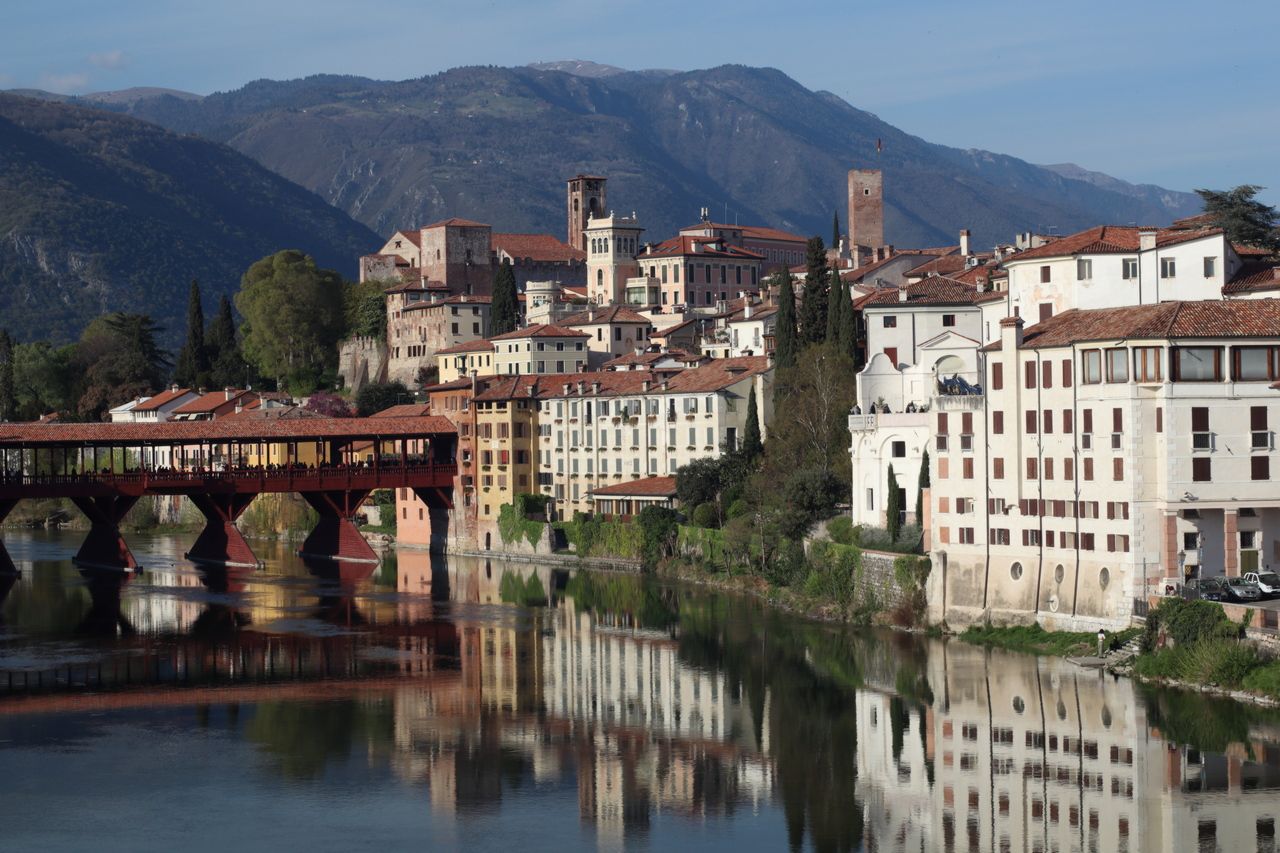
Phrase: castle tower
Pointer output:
(612, 243)
(586, 199)
(866, 209)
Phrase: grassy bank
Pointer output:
(1035, 640)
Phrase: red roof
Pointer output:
(463, 299)
(1254, 277)
(455, 222)
(760, 232)
(222, 430)
(542, 330)
(161, 399)
(647, 487)
(934, 290)
(1109, 239)
(944, 265)
(684, 247)
(712, 376)
(610, 314)
(470, 346)
(1232, 318)
(404, 410)
(414, 237)
(536, 247)
(212, 401)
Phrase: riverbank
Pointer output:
(1189, 645)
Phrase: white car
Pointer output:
(1268, 582)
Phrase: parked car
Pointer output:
(1211, 589)
(1239, 589)
(1268, 582)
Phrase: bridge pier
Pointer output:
(221, 543)
(104, 547)
(6, 562)
(336, 536)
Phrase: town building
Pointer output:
(779, 249)
(612, 331)
(612, 243)
(419, 328)
(539, 257)
(897, 321)
(866, 211)
(587, 198)
(540, 349)
(156, 408)
(697, 272)
(474, 358)
(745, 331)
(1110, 450)
(624, 500)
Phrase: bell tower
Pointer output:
(586, 199)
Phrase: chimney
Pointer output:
(591, 313)
(902, 293)
(566, 389)
(582, 386)
(644, 386)
(1011, 333)
(595, 388)
(230, 392)
(1146, 239)
(239, 407)
(964, 242)
(174, 388)
(746, 311)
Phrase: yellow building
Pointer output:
(506, 425)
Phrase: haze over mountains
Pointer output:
(100, 211)
(496, 144)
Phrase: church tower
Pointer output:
(586, 200)
(612, 243)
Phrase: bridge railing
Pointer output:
(294, 474)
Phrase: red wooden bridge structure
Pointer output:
(222, 465)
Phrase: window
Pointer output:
(967, 467)
(948, 319)
(997, 468)
(1045, 273)
(1168, 267)
(1254, 364)
(1260, 436)
(1260, 467)
(1201, 437)
(1046, 374)
(999, 536)
(1032, 468)
(997, 423)
(1084, 269)
(1201, 469)
(966, 535)
(1092, 366)
(1067, 424)
(899, 449)
(1015, 571)
(1210, 267)
(890, 321)
(1146, 364)
(1117, 365)
(997, 377)
(1197, 364)
(1031, 423)
(1046, 421)
(1117, 469)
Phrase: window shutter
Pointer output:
(1257, 418)
(1117, 420)
(1200, 419)
(1031, 423)
(1031, 374)
(997, 376)
(1117, 468)
(1159, 418)
(942, 423)
(1088, 420)
(997, 423)
(1046, 374)
(966, 423)
(997, 468)
(1066, 421)
(1066, 373)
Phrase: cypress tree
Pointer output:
(193, 360)
(893, 507)
(923, 484)
(504, 314)
(785, 344)
(227, 367)
(8, 398)
(813, 310)
(835, 229)
(848, 337)
(836, 299)
(752, 446)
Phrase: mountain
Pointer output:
(102, 212)
(1149, 193)
(496, 144)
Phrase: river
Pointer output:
(457, 704)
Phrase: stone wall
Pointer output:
(877, 579)
(361, 361)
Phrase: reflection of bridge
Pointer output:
(105, 468)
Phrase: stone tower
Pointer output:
(866, 209)
(586, 198)
(612, 245)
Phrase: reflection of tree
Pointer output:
(638, 600)
(303, 738)
(47, 604)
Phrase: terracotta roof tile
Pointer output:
(542, 330)
(944, 265)
(683, 246)
(211, 401)
(469, 346)
(455, 222)
(1109, 239)
(404, 410)
(934, 290)
(647, 487)
(1253, 277)
(161, 399)
(1232, 318)
(610, 314)
(221, 430)
(536, 247)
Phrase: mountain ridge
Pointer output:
(496, 144)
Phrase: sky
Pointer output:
(1175, 93)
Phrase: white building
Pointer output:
(612, 244)
(539, 349)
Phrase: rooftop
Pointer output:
(536, 247)
(220, 430)
(934, 290)
(608, 314)
(647, 487)
(161, 399)
(455, 222)
(1232, 318)
(470, 346)
(542, 330)
(701, 247)
(1110, 239)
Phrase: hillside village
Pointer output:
(1066, 414)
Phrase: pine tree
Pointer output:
(1243, 218)
(786, 346)
(503, 314)
(848, 337)
(752, 446)
(8, 397)
(192, 370)
(226, 365)
(923, 484)
(893, 507)
(835, 229)
(813, 310)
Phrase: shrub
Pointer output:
(528, 505)
(841, 530)
(658, 530)
(513, 526)
(738, 509)
(787, 568)
(1189, 622)
(1265, 679)
(706, 515)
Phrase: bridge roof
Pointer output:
(194, 432)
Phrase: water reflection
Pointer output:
(652, 716)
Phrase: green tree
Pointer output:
(504, 312)
(786, 345)
(837, 301)
(847, 339)
(8, 394)
(811, 415)
(813, 309)
(366, 309)
(835, 229)
(117, 359)
(227, 367)
(192, 369)
(893, 507)
(1244, 219)
(808, 495)
(376, 396)
(42, 379)
(923, 483)
(293, 318)
(752, 446)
